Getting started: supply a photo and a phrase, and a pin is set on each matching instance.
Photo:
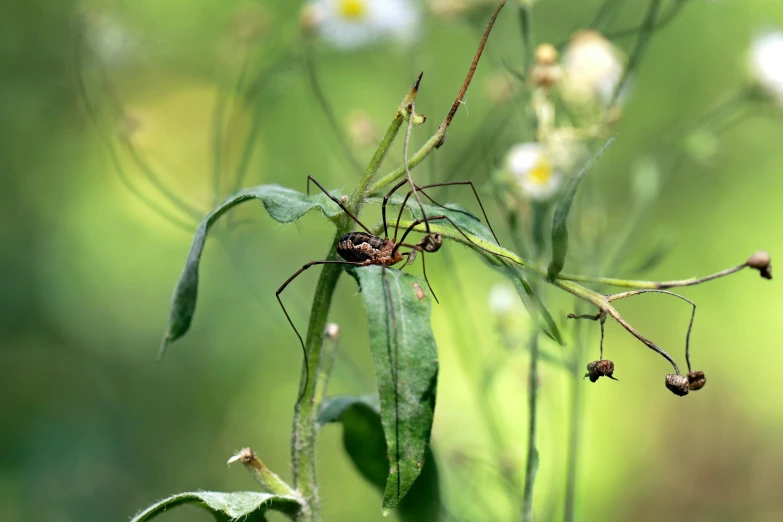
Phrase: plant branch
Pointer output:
(630, 283)
(531, 467)
(439, 137)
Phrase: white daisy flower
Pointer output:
(349, 24)
(592, 68)
(766, 63)
(532, 171)
(502, 299)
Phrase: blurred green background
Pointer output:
(94, 429)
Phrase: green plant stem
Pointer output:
(306, 409)
(438, 138)
(645, 33)
(574, 422)
(304, 433)
(660, 23)
(526, 26)
(531, 467)
(630, 283)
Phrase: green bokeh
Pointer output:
(93, 428)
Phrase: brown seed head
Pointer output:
(678, 384)
(602, 368)
(761, 261)
(696, 380)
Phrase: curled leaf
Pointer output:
(283, 205)
(243, 505)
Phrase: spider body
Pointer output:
(360, 247)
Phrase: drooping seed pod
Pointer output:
(761, 261)
(602, 368)
(696, 380)
(677, 384)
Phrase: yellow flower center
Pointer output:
(352, 9)
(542, 172)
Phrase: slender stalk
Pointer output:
(263, 475)
(531, 467)
(326, 107)
(630, 283)
(660, 23)
(645, 33)
(526, 26)
(575, 425)
(306, 410)
(439, 137)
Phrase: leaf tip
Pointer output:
(164, 344)
(385, 511)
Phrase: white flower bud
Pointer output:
(592, 69)
(766, 63)
(332, 331)
(502, 299)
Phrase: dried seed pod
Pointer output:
(761, 261)
(602, 368)
(696, 380)
(678, 384)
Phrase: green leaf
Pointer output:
(248, 506)
(284, 205)
(363, 439)
(406, 368)
(533, 303)
(560, 219)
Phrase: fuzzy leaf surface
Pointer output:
(364, 442)
(406, 368)
(248, 506)
(284, 205)
(560, 218)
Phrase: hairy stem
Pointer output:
(306, 409)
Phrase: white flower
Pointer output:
(349, 24)
(592, 68)
(532, 171)
(502, 299)
(766, 63)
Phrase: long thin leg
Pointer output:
(420, 190)
(415, 248)
(301, 341)
(614, 297)
(456, 227)
(447, 183)
(339, 203)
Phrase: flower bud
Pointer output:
(761, 262)
(602, 368)
(332, 331)
(546, 70)
(678, 384)
(696, 380)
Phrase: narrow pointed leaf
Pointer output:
(533, 303)
(248, 506)
(363, 440)
(283, 205)
(406, 368)
(560, 219)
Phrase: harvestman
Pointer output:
(365, 248)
